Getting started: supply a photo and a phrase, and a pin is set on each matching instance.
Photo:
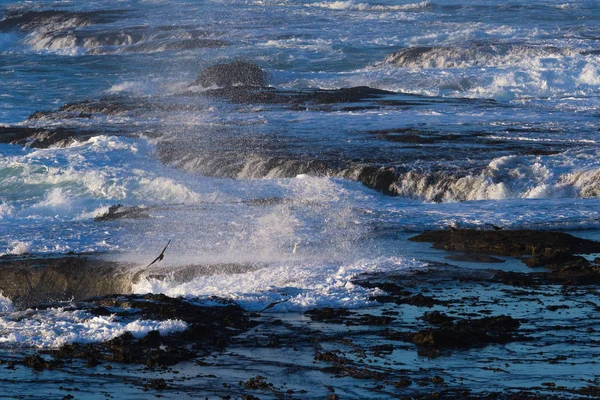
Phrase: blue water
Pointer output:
(502, 98)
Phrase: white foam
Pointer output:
(6, 304)
(570, 174)
(19, 248)
(354, 6)
(6, 210)
(56, 327)
(95, 169)
(301, 286)
(590, 75)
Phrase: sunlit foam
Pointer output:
(56, 327)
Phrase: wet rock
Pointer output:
(119, 211)
(257, 383)
(332, 357)
(379, 178)
(345, 95)
(343, 316)
(509, 243)
(475, 258)
(42, 137)
(437, 318)
(327, 314)
(413, 136)
(210, 329)
(556, 251)
(466, 333)
(354, 371)
(30, 20)
(418, 300)
(107, 106)
(402, 383)
(37, 363)
(228, 75)
(178, 45)
(30, 281)
(369, 319)
(156, 384)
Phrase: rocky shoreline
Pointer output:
(446, 332)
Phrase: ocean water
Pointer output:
(491, 119)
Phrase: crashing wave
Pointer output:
(125, 41)
(473, 55)
(508, 177)
(56, 30)
(351, 5)
(52, 20)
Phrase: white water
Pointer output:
(56, 327)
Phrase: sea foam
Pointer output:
(299, 286)
(56, 327)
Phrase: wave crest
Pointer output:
(351, 5)
(475, 54)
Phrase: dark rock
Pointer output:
(554, 250)
(369, 319)
(42, 137)
(558, 307)
(257, 383)
(346, 95)
(475, 258)
(37, 363)
(186, 44)
(467, 333)
(437, 318)
(35, 280)
(418, 300)
(156, 384)
(382, 349)
(326, 314)
(119, 211)
(30, 20)
(402, 383)
(210, 329)
(354, 372)
(509, 243)
(332, 357)
(237, 73)
(379, 178)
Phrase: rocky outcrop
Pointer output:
(557, 251)
(119, 211)
(31, 281)
(42, 137)
(465, 333)
(228, 75)
(209, 329)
